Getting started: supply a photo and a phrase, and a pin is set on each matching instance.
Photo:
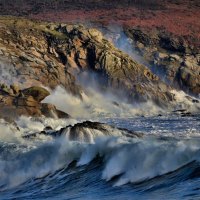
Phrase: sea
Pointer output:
(164, 163)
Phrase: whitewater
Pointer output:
(160, 162)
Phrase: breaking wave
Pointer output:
(117, 160)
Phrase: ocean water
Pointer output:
(162, 164)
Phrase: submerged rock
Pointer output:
(86, 132)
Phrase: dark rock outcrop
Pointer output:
(86, 131)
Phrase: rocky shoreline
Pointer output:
(15, 102)
(37, 54)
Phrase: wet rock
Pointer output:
(183, 113)
(26, 102)
(187, 114)
(38, 93)
(48, 128)
(87, 131)
(51, 111)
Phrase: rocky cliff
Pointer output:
(27, 57)
(165, 32)
(173, 58)
(49, 54)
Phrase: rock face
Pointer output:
(172, 57)
(36, 53)
(15, 102)
(27, 58)
(87, 50)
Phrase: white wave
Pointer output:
(9, 132)
(136, 159)
(89, 134)
(13, 132)
(147, 159)
(37, 162)
(30, 124)
(185, 101)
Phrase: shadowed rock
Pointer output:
(173, 58)
(87, 132)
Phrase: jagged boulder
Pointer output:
(26, 102)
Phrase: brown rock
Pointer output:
(15, 89)
(97, 35)
(26, 101)
(38, 93)
(50, 110)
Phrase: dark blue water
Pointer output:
(164, 164)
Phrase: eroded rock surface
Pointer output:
(15, 102)
(54, 54)
(173, 58)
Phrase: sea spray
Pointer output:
(94, 104)
(8, 73)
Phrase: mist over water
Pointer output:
(96, 104)
(8, 73)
